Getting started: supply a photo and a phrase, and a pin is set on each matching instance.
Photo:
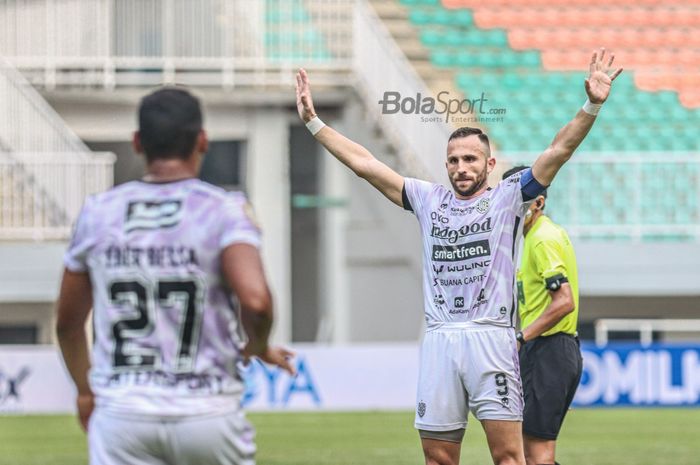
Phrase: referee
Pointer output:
(550, 357)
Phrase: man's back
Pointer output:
(166, 331)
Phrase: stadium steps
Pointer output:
(485, 60)
(396, 17)
(28, 125)
(660, 41)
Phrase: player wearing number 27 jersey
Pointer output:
(166, 333)
(162, 262)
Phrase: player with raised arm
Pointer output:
(469, 358)
(162, 261)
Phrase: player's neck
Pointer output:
(168, 170)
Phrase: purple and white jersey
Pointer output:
(166, 331)
(470, 248)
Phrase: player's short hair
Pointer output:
(466, 131)
(517, 169)
(170, 120)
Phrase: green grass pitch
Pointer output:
(590, 436)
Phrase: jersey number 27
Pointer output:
(139, 299)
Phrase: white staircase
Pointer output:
(45, 169)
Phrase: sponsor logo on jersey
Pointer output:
(460, 252)
(453, 235)
(438, 300)
(437, 269)
(464, 281)
(153, 215)
(459, 302)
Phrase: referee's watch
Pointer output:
(521, 339)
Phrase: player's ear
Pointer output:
(490, 163)
(202, 144)
(540, 202)
(136, 142)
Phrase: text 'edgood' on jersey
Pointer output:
(469, 251)
(166, 332)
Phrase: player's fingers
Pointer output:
(587, 84)
(602, 55)
(287, 366)
(616, 74)
(591, 65)
(610, 61)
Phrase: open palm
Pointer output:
(601, 77)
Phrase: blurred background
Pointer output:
(344, 263)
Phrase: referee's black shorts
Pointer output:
(551, 368)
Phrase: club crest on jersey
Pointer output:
(153, 215)
(483, 205)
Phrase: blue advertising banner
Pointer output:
(630, 375)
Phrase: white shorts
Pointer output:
(467, 367)
(225, 439)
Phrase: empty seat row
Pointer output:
(590, 16)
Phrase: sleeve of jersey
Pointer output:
(550, 264)
(239, 223)
(415, 194)
(75, 258)
(521, 188)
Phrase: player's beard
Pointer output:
(477, 185)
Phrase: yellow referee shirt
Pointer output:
(547, 252)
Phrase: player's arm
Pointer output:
(570, 136)
(243, 271)
(74, 304)
(351, 154)
(561, 305)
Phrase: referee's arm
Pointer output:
(561, 305)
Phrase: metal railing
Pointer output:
(225, 43)
(27, 121)
(380, 66)
(28, 211)
(45, 169)
(645, 327)
(613, 196)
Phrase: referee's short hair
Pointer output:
(170, 120)
(517, 169)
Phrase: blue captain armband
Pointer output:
(529, 186)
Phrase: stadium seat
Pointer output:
(514, 50)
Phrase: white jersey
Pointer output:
(470, 248)
(166, 331)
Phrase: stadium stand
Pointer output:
(529, 56)
(291, 34)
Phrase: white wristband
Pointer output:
(591, 108)
(315, 124)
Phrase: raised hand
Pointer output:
(305, 106)
(601, 77)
